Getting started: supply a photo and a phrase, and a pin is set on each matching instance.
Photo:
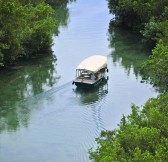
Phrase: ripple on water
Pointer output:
(76, 113)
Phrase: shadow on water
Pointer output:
(93, 101)
(62, 12)
(17, 112)
(33, 78)
(92, 96)
(129, 50)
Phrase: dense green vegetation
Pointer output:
(149, 18)
(156, 68)
(27, 27)
(143, 135)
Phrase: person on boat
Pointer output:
(93, 77)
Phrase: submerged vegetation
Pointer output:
(27, 27)
(143, 135)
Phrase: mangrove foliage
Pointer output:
(27, 27)
(142, 135)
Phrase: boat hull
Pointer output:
(84, 84)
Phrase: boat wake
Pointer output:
(73, 115)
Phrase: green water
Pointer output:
(43, 117)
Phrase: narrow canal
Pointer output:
(44, 118)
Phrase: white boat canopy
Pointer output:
(93, 63)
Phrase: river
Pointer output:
(44, 118)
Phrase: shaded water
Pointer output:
(44, 118)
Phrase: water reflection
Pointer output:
(92, 96)
(16, 85)
(93, 101)
(129, 50)
(30, 79)
(62, 15)
(62, 122)
(62, 11)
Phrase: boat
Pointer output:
(91, 72)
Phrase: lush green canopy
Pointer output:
(156, 68)
(143, 135)
(135, 13)
(26, 27)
